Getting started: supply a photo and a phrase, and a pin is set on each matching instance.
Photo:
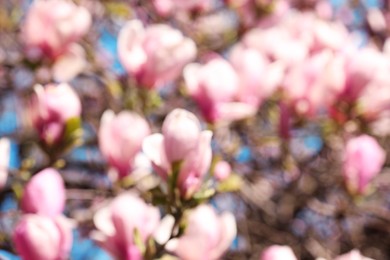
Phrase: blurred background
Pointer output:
(292, 192)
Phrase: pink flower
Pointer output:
(353, 255)
(154, 55)
(374, 101)
(168, 7)
(69, 64)
(214, 94)
(222, 170)
(363, 160)
(329, 35)
(277, 252)
(182, 141)
(4, 160)
(278, 44)
(376, 20)
(44, 194)
(52, 26)
(294, 36)
(52, 106)
(258, 78)
(118, 223)
(38, 237)
(324, 9)
(120, 139)
(368, 81)
(315, 83)
(181, 131)
(207, 235)
(363, 67)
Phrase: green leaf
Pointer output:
(115, 89)
(150, 251)
(204, 194)
(72, 125)
(138, 240)
(232, 183)
(73, 132)
(158, 196)
(118, 9)
(127, 182)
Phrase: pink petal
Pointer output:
(153, 147)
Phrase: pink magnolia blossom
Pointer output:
(277, 252)
(4, 160)
(368, 81)
(52, 26)
(118, 223)
(324, 9)
(258, 78)
(222, 170)
(52, 106)
(363, 160)
(296, 36)
(182, 132)
(315, 83)
(120, 139)
(317, 34)
(168, 7)
(38, 237)
(154, 55)
(216, 96)
(207, 235)
(374, 100)
(366, 84)
(364, 67)
(278, 44)
(70, 64)
(329, 35)
(353, 255)
(44, 194)
(376, 20)
(182, 141)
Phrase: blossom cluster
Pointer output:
(198, 82)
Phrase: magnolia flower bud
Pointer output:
(363, 160)
(222, 170)
(5, 146)
(38, 237)
(52, 26)
(44, 194)
(258, 78)
(181, 130)
(194, 148)
(52, 106)
(120, 139)
(154, 55)
(216, 96)
(207, 235)
(205, 85)
(127, 216)
(277, 252)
